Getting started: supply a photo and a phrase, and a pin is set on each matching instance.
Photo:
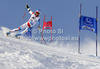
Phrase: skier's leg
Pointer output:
(20, 28)
(24, 26)
(21, 33)
(17, 29)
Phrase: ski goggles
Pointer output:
(37, 12)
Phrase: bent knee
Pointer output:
(19, 28)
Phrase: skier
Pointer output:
(29, 24)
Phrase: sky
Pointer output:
(65, 14)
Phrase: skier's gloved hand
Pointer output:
(27, 6)
(39, 27)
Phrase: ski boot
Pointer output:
(8, 33)
(17, 36)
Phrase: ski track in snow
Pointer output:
(23, 54)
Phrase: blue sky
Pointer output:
(65, 14)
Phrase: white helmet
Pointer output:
(38, 11)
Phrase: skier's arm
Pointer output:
(29, 10)
(39, 24)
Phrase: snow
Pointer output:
(23, 54)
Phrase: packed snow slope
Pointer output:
(23, 54)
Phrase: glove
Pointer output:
(39, 27)
(27, 6)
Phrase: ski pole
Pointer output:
(24, 14)
(42, 37)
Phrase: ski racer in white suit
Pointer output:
(29, 24)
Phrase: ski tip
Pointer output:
(18, 37)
